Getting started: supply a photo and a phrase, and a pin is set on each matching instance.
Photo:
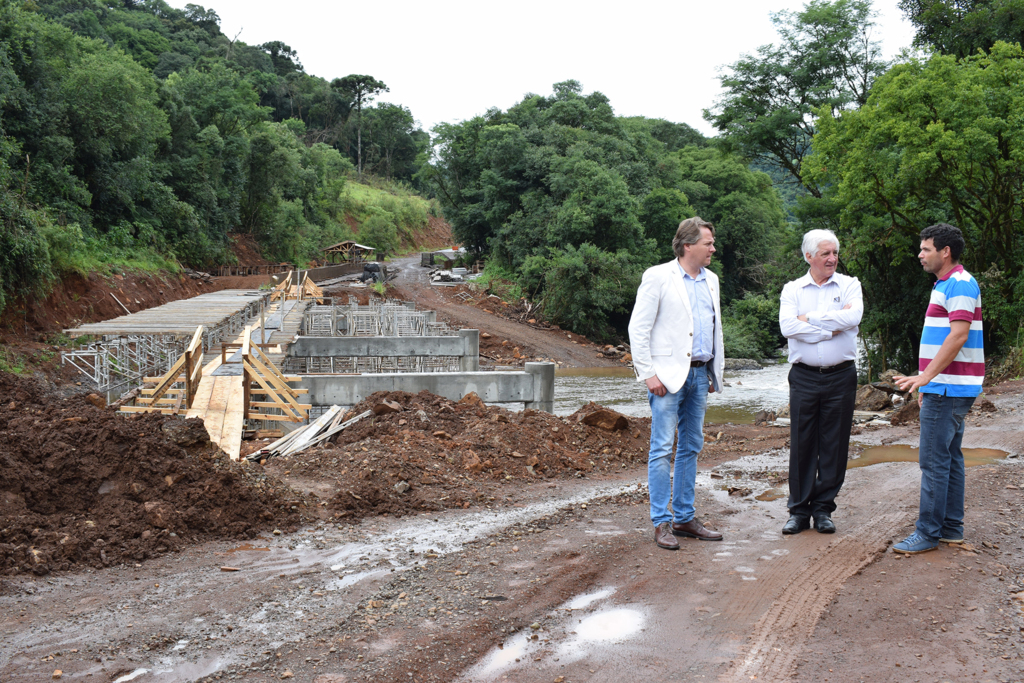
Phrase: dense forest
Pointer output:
(816, 130)
(136, 132)
(881, 150)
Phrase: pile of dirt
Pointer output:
(422, 452)
(84, 485)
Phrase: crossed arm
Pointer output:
(817, 326)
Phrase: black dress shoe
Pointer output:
(796, 524)
(823, 523)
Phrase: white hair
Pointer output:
(814, 238)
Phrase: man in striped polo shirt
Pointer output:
(951, 369)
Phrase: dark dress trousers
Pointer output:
(821, 416)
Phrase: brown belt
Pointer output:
(699, 363)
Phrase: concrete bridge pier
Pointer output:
(543, 386)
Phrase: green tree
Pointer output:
(361, 89)
(661, 212)
(962, 27)
(394, 145)
(380, 232)
(587, 289)
(746, 211)
(939, 140)
(825, 60)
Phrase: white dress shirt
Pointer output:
(812, 342)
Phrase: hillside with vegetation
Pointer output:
(140, 135)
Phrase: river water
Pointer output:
(747, 392)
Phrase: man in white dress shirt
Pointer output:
(675, 335)
(820, 314)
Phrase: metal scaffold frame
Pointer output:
(122, 362)
(121, 359)
(379, 319)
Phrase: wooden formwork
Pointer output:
(260, 377)
(175, 392)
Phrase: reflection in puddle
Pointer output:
(354, 578)
(513, 650)
(245, 547)
(880, 454)
(579, 636)
(772, 494)
(581, 601)
(603, 627)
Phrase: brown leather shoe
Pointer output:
(664, 538)
(694, 529)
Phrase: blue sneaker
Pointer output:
(915, 543)
(952, 539)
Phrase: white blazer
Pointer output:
(661, 328)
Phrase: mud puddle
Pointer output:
(879, 454)
(580, 626)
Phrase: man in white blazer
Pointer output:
(675, 334)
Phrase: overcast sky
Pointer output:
(449, 60)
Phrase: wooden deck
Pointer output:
(212, 310)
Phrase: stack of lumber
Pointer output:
(313, 434)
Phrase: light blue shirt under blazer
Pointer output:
(703, 314)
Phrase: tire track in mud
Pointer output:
(778, 637)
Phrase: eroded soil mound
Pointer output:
(423, 452)
(83, 485)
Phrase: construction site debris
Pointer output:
(445, 276)
(872, 399)
(88, 486)
(314, 434)
(198, 275)
(605, 418)
(453, 454)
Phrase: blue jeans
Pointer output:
(941, 513)
(682, 411)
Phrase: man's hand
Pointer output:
(655, 386)
(912, 383)
(958, 331)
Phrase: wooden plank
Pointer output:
(269, 391)
(311, 432)
(170, 378)
(214, 416)
(147, 409)
(284, 390)
(231, 432)
(273, 418)
(271, 404)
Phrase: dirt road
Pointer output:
(533, 343)
(558, 580)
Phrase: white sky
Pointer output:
(450, 60)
